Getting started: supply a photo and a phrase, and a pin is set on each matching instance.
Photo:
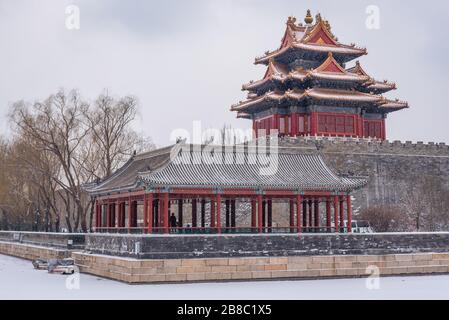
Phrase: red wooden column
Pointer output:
(349, 208)
(298, 212)
(165, 212)
(304, 213)
(119, 214)
(116, 214)
(310, 222)
(384, 130)
(275, 123)
(219, 213)
(342, 212)
(259, 212)
(270, 215)
(212, 212)
(361, 130)
(313, 123)
(294, 124)
(264, 215)
(149, 208)
(292, 216)
(97, 215)
(181, 212)
(108, 216)
(130, 214)
(145, 213)
(328, 214)
(254, 129)
(253, 215)
(337, 224)
(123, 217)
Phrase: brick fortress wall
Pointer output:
(392, 168)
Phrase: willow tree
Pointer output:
(76, 143)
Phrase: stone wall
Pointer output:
(56, 240)
(131, 270)
(161, 259)
(258, 268)
(392, 168)
(212, 246)
(32, 252)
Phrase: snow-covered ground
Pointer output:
(18, 280)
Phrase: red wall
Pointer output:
(321, 124)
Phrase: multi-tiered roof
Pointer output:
(309, 68)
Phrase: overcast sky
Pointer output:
(186, 60)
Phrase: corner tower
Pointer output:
(308, 90)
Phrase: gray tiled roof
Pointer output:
(125, 178)
(192, 167)
(298, 171)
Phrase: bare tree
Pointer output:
(63, 143)
(385, 218)
(57, 126)
(111, 134)
(426, 203)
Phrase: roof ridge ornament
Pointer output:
(308, 19)
(291, 20)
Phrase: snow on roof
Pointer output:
(294, 171)
(186, 165)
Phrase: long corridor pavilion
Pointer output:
(201, 186)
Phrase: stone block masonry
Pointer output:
(135, 271)
(392, 168)
(32, 252)
(45, 239)
(258, 268)
(270, 245)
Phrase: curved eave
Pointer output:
(337, 95)
(315, 94)
(338, 77)
(303, 77)
(344, 53)
(381, 87)
(270, 96)
(347, 187)
(122, 189)
(124, 179)
(260, 83)
(392, 106)
(243, 115)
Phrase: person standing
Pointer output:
(173, 223)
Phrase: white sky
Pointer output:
(186, 60)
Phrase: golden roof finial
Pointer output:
(308, 19)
